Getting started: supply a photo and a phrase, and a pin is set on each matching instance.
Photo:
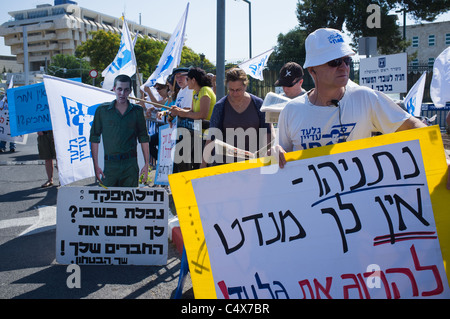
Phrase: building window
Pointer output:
(447, 39)
(430, 62)
(415, 42)
(19, 16)
(37, 14)
(431, 39)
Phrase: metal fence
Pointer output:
(261, 88)
(441, 114)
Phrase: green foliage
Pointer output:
(69, 66)
(103, 47)
(290, 47)
(352, 14)
(148, 53)
(421, 10)
(191, 59)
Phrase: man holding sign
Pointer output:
(336, 110)
(120, 124)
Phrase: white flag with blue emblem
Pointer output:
(72, 108)
(125, 61)
(440, 83)
(255, 66)
(413, 100)
(171, 56)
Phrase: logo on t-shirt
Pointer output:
(314, 137)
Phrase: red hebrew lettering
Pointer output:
(383, 280)
(409, 274)
(348, 287)
(223, 289)
(440, 287)
(326, 290)
(306, 283)
(363, 285)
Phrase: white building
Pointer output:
(428, 40)
(59, 29)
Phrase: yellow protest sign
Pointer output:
(350, 220)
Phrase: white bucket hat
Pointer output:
(324, 45)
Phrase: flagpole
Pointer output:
(133, 52)
(138, 77)
(149, 102)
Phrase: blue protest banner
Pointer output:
(28, 109)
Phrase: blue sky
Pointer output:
(269, 18)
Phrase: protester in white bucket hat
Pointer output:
(325, 45)
(336, 109)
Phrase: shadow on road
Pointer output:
(123, 282)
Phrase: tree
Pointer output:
(69, 66)
(421, 10)
(148, 53)
(191, 59)
(314, 14)
(103, 47)
(290, 47)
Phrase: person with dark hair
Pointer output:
(183, 98)
(203, 101)
(203, 97)
(237, 111)
(120, 124)
(291, 80)
(47, 152)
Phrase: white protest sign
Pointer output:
(114, 226)
(5, 128)
(357, 224)
(167, 141)
(386, 73)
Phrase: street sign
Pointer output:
(93, 73)
(386, 73)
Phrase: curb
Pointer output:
(11, 163)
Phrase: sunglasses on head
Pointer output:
(337, 62)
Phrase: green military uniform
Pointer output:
(120, 134)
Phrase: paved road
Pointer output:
(27, 244)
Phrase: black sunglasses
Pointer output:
(337, 62)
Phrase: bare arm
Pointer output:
(410, 123)
(200, 115)
(207, 150)
(146, 153)
(97, 170)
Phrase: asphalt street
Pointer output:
(28, 268)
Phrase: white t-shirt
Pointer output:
(362, 111)
(184, 98)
